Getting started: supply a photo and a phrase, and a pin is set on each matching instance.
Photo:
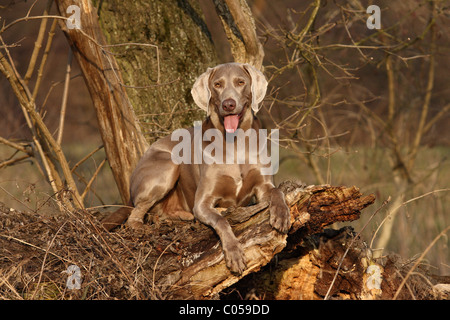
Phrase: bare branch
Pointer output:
(4, 28)
(94, 176)
(48, 45)
(64, 99)
(14, 145)
(38, 43)
(11, 162)
(429, 90)
(85, 158)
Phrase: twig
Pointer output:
(433, 120)
(350, 36)
(157, 261)
(426, 104)
(311, 20)
(38, 43)
(109, 206)
(14, 145)
(88, 186)
(399, 206)
(13, 161)
(85, 158)
(6, 282)
(22, 93)
(419, 260)
(45, 258)
(48, 45)
(35, 247)
(64, 99)
(28, 104)
(105, 245)
(3, 29)
(31, 8)
(15, 198)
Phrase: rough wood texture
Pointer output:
(122, 138)
(239, 26)
(202, 273)
(308, 272)
(160, 76)
(315, 207)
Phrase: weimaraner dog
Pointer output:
(230, 94)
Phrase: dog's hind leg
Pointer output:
(154, 177)
(136, 219)
(116, 218)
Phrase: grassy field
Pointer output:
(423, 206)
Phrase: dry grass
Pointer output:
(36, 252)
(24, 188)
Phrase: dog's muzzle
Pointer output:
(231, 121)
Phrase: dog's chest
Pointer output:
(235, 187)
(239, 184)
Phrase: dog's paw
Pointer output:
(137, 225)
(280, 216)
(235, 258)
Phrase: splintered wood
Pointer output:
(312, 209)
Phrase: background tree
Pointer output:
(158, 77)
(156, 63)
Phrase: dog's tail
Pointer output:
(116, 218)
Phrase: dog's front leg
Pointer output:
(234, 255)
(280, 217)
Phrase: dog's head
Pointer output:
(228, 92)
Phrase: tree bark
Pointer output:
(239, 26)
(123, 141)
(200, 272)
(160, 74)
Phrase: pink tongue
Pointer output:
(231, 123)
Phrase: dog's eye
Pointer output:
(241, 82)
(217, 85)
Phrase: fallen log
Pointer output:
(201, 272)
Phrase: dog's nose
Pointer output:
(228, 104)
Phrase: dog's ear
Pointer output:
(200, 91)
(259, 86)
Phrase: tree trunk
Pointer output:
(239, 26)
(123, 141)
(160, 74)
